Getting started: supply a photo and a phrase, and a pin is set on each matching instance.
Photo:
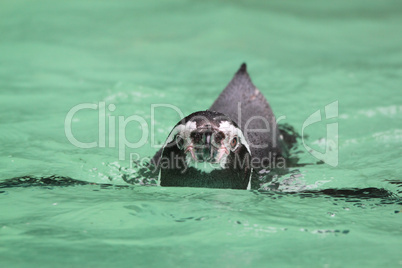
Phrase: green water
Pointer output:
(303, 56)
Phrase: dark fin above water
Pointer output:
(243, 68)
(363, 193)
(30, 181)
(242, 101)
(50, 182)
(351, 195)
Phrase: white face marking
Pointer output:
(183, 130)
(230, 131)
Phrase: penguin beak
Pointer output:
(204, 149)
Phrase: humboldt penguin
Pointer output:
(222, 146)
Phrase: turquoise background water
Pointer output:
(301, 55)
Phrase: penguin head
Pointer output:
(206, 149)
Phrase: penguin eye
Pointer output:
(233, 142)
(179, 142)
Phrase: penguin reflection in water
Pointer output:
(223, 146)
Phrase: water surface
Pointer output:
(56, 55)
